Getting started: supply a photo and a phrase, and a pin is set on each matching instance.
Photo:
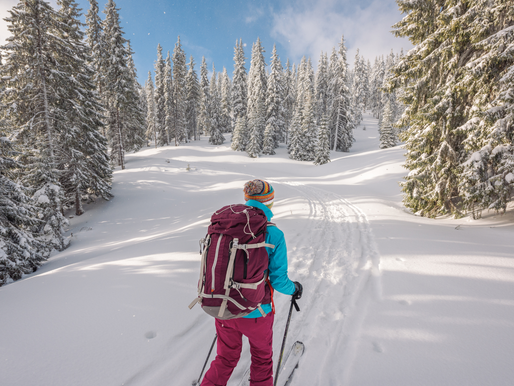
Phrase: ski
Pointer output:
(286, 370)
(290, 364)
(245, 379)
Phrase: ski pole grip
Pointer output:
(293, 300)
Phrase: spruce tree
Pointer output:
(275, 113)
(160, 99)
(226, 103)
(83, 161)
(204, 116)
(192, 101)
(179, 93)
(323, 144)
(387, 133)
(341, 122)
(239, 83)
(288, 86)
(256, 100)
(168, 100)
(151, 125)
(216, 137)
(36, 86)
(321, 87)
(443, 95)
(239, 135)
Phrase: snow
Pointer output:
(389, 298)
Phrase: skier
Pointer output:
(258, 329)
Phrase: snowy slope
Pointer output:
(390, 298)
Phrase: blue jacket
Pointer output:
(277, 269)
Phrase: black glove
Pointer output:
(298, 290)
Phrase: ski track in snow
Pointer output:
(337, 261)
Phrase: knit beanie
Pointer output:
(261, 191)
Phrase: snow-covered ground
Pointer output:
(390, 298)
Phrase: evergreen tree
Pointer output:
(226, 102)
(444, 92)
(179, 93)
(36, 86)
(387, 134)
(192, 101)
(359, 88)
(83, 161)
(289, 99)
(216, 137)
(168, 100)
(239, 83)
(323, 144)
(134, 113)
(239, 135)
(117, 76)
(204, 116)
(160, 99)
(340, 120)
(20, 251)
(376, 82)
(275, 125)
(321, 87)
(256, 100)
(151, 126)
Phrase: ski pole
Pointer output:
(293, 303)
(207, 359)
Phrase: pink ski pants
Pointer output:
(259, 332)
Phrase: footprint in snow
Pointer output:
(150, 335)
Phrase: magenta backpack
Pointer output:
(234, 264)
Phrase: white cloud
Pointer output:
(5, 6)
(307, 28)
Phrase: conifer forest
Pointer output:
(72, 106)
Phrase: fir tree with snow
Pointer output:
(257, 80)
(387, 132)
(321, 87)
(151, 125)
(192, 101)
(239, 136)
(216, 136)
(179, 93)
(160, 99)
(322, 155)
(204, 116)
(239, 82)
(226, 102)
(168, 98)
(275, 125)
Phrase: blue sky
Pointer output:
(210, 28)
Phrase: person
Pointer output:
(258, 329)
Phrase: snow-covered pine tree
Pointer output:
(36, 85)
(226, 102)
(168, 99)
(216, 137)
(387, 132)
(359, 88)
(295, 131)
(160, 99)
(256, 100)
(487, 180)
(151, 126)
(134, 112)
(20, 252)
(321, 87)
(192, 101)
(341, 122)
(82, 159)
(377, 79)
(309, 129)
(239, 84)
(179, 93)
(275, 113)
(441, 95)
(239, 134)
(117, 76)
(323, 144)
(96, 43)
(204, 116)
(289, 99)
